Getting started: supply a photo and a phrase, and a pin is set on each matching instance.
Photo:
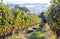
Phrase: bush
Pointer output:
(37, 35)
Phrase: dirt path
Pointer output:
(48, 32)
(22, 34)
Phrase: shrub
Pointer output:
(37, 35)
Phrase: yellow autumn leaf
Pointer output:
(0, 16)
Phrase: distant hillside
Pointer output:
(34, 8)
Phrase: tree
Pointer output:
(43, 17)
(1, 1)
(16, 16)
(55, 1)
(53, 18)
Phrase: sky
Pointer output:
(27, 1)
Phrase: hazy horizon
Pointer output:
(27, 1)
